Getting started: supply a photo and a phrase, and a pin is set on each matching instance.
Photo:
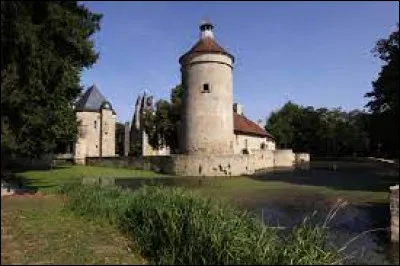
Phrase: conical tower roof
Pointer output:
(206, 44)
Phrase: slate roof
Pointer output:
(205, 46)
(244, 126)
(91, 101)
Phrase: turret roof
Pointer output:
(91, 100)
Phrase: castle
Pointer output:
(215, 137)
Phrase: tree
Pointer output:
(119, 138)
(384, 103)
(162, 126)
(44, 48)
(280, 124)
(320, 131)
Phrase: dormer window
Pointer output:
(206, 88)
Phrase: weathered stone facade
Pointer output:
(96, 126)
(107, 133)
(251, 144)
(394, 213)
(207, 105)
(284, 158)
(202, 165)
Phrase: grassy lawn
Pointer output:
(48, 178)
(354, 181)
(35, 230)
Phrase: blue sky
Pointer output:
(312, 53)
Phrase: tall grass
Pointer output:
(174, 226)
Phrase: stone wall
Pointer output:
(284, 158)
(193, 165)
(207, 119)
(107, 140)
(252, 143)
(219, 165)
(394, 213)
(96, 135)
(202, 165)
(155, 163)
(89, 134)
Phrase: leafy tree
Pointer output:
(280, 124)
(320, 131)
(384, 103)
(162, 126)
(44, 47)
(119, 138)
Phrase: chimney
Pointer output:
(206, 29)
(238, 108)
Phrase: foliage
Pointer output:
(44, 48)
(119, 138)
(338, 133)
(384, 98)
(320, 131)
(280, 124)
(173, 226)
(162, 126)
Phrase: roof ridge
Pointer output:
(245, 125)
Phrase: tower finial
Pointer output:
(206, 29)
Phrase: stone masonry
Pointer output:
(394, 213)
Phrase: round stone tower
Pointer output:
(207, 124)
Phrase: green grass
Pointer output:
(63, 174)
(357, 182)
(245, 187)
(37, 230)
(354, 181)
(29, 218)
(175, 226)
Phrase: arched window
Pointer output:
(95, 124)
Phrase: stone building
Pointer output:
(96, 125)
(208, 124)
(215, 137)
(249, 136)
(207, 120)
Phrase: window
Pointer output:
(206, 88)
(95, 124)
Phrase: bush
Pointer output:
(173, 226)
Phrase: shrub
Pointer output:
(173, 226)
